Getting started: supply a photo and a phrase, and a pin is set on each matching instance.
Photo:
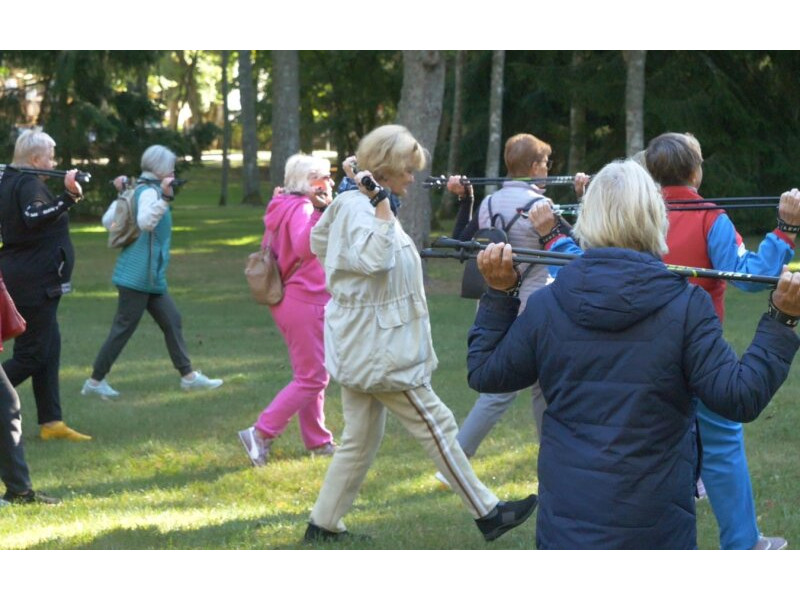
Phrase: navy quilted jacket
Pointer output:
(620, 345)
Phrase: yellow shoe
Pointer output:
(59, 431)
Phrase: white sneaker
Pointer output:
(770, 543)
(257, 448)
(442, 480)
(200, 382)
(701, 490)
(4, 503)
(102, 389)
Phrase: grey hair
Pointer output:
(301, 169)
(31, 144)
(623, 208)
(158, 160)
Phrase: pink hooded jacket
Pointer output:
(287, 223)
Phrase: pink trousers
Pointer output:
(301, 325)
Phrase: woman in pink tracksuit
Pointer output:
(300, 315)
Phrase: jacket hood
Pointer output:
(278, 207)
(611, 289)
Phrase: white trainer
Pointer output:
(199, 382)
(257, 448)
(102, 389)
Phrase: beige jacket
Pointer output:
(377, 331)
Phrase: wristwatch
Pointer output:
(379, 197)
(781, 317)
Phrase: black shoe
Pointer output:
(505, 516)
(318, 534)
(30, 497)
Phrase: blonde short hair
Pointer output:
(158, 160)
(390, 150)
(623, 208)
(31, 144)
(301, 169)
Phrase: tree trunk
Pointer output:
(420, 110)
(495, 117)
(226, 129)
(577, 119)
(251, 191)
(634, 101)
(455, 130)
(285, 111)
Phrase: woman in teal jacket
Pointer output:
(141, 278)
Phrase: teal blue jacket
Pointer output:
(142, 266)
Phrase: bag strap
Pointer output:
(495, 217)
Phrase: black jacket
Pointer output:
(37, 255)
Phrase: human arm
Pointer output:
(727, 252)
(150, 209)
(297, 228)
(580, 181)
(466, 204)
(739, 389)
(348, 237)
(501, 356)
(38, 206)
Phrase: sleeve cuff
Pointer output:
(782, 235)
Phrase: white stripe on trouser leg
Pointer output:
(444, 450)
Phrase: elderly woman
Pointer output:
(36, 259)
(141, 278)
(525, 157)
(300, 315)
(378, 341)
(621, 346)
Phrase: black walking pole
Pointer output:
(469, 250)
(80, 176)
(441, 181)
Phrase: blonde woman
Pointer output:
(378, 341)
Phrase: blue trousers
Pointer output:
(727, 480)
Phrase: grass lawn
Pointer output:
(166, 470)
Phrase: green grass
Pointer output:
(166, 470)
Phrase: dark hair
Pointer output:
(672, 158)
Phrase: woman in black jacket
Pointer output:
(36, 260)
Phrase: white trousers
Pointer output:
(427, 419)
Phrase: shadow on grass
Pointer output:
(158, 481)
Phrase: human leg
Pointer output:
(727, 480)
(487, 411)
(130, 308)
(13, 469)
(301, 325)
(36, 355)
(364, 421)
(165, 313)
(432, 424)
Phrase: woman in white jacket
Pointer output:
(378, 341)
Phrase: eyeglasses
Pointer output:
(548, 162)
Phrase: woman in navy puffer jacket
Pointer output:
(620, 345)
